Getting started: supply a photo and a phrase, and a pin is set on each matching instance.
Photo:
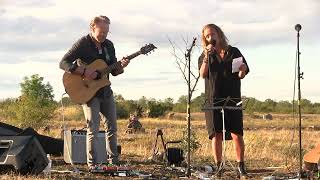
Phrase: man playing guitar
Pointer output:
(85, 51)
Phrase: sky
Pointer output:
(35, 34)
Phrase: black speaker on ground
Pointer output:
(23, 154)
(8, 130)
(50, 145)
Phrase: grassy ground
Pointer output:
(271, 146)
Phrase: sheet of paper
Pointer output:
(236, 63)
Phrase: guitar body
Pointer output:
(81, 90)
(312, 158)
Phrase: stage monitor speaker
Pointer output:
(75, 147)
(23, 154)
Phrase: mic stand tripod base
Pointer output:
(223, 161)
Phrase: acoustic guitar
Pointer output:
(312, 158)
(81, 90)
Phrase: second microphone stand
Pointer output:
(212, 107)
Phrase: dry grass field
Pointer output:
(271, 145)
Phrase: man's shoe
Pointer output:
(96, 169)
(242, 170)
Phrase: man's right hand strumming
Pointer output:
(90, 74)
(86, 73)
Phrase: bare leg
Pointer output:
(239, 146)
(217, 147)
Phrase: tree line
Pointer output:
(155, 108)
(37, 103)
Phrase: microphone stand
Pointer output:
(300, 76)
(223, 163)
(212, 106)
(188, 57)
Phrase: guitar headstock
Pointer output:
(147, 48)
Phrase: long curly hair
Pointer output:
(223, 39)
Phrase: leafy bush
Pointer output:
(5, 105)
(35, 106)
(194, 143)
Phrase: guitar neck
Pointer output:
(117, 65)
(133, 55)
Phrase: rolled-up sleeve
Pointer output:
(113, 57)
(67, 62)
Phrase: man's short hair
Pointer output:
(99, 19)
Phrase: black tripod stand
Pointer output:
(214, 106)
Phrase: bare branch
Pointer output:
(182, 63)
(194, 86)
(179, 61)
(194, 76)
(183, 73)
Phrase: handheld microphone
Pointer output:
(297, 27)
(213, 42)
(209, 52)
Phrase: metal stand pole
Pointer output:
(222, 108)
(224, 131)
(188, 57)
(223, 139)
(300, 76)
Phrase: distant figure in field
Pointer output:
(221, 81)
(134, 124)
(267, 117)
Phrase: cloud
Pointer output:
(169, 73)
(2, 11)
(143, 79)
(29, 3)
(8, 84)
(247, 23)
(269, 22)
(34, 35)
(42, 30)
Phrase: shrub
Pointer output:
(35, 107)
